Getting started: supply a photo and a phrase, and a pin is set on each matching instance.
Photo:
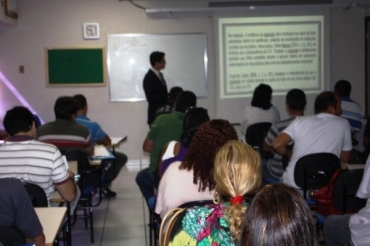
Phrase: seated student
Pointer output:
(351, 229)
(351, 110)
(324, 131)
(98, 136)
(176, 151)
(169, 107)
(278, 215)
(192, 180)
(237, 174)
(295, 104)
(16, 210)
(22, 157)
(64, 132)
(261, 109)
(165, 128)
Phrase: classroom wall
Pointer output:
(47, 24)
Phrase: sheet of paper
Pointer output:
(100, 150)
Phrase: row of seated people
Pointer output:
(34, 155)
(262, 110)
(277, 215)
(191, 178)
(71, 130)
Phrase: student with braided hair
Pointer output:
(237, 175)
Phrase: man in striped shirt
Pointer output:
(64, 132)
(351, 110)
(295, 104)
(31, 161)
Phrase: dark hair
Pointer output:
(185, 100)
(209, 138)
(174, 92)
(65, 108)
(262, 97)
(296, 99)
(343, 88)
(156, 56)
(193, 119)
(324, 100)
(81, 101)
(18, 119)
(278, 215)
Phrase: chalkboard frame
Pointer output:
(95, 63)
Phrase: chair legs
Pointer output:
(86, 206)
(91, 225)
(153, 229)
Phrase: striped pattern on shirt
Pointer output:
(352, 112)
(33, 162)
(65, 134)
(275, 167)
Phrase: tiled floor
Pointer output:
(119, 221)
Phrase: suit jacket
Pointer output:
(155, 92)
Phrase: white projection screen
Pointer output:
(285, 52)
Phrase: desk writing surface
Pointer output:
(51, 219)
(355, 166)
(101, 153)
(117, 140)
(73, 166)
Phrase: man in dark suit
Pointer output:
(155, 87)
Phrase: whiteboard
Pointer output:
(128, 62)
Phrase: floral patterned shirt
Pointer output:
(203, 226)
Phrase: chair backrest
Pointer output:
(37, 195)
(79, 156)
(10, 235)
(256, 134)
(196, 203)
(89, 174)
(313, 171)
(344, 191)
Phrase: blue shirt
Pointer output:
(96, 131)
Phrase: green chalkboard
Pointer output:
(75, 66)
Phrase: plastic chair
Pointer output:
(313, 171)
(37, 195)
(344, 191)
(154, 222)
(256, 134)
(10, 235)
(344, 196)
(38, 199)
(89, 182)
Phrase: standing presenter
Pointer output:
(155, 87)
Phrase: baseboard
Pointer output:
(137, 164)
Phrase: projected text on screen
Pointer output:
(282, 52)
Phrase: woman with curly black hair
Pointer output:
(192, 180)
(176, 151)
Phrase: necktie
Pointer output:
(161, 78)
